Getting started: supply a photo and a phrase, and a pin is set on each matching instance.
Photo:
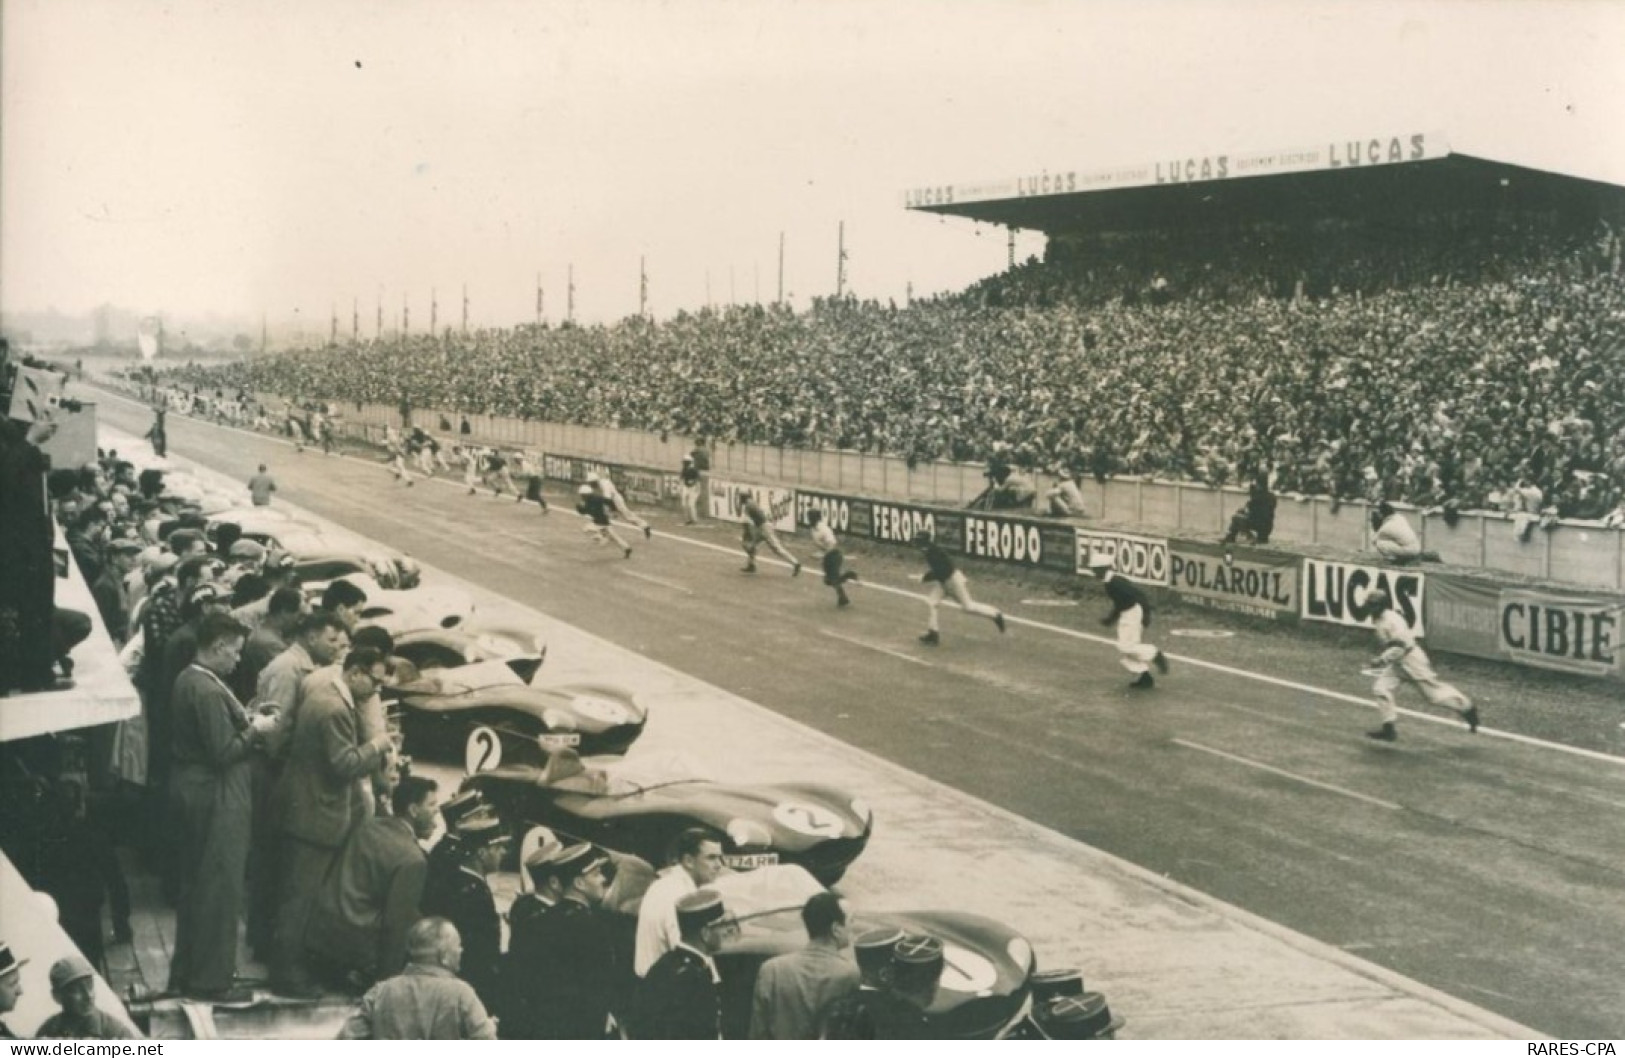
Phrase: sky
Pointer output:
(290, 157)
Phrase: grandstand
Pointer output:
(1421, 326)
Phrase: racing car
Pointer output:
(640, 806)
(320, 554)
(462, 643)
(403, 612)
(486, 713)
(988, 968)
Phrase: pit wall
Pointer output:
(1581, 554)
(1477, 614)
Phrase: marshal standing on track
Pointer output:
(835, 573)
(1131, 613)
(944, 578)
(1403, 661)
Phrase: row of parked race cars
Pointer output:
(556, 756)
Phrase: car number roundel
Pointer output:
(804, 818)
(604, 710)
(482, 751)
(965, 971)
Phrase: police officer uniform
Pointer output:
(679, 998)
(466, 899)
(447, 853)
(576, 978)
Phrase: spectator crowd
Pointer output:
(264, 783)
(1435, 370)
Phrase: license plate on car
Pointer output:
(751, 860)
(559, 741)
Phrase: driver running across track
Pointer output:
(592, 505)
(835, 575)
(607, 489)
(757, 530)
(1404, 661)
(945, 579)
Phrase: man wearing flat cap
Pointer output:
(111, 589)
(466, 900)
(573, 980)
(73, 986)
(679, 998)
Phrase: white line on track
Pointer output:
(879, 649)
(1275, 681)
(673, 585)
(1328, 787)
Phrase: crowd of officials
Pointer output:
(1442, 370)
(264, 783)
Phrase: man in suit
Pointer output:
(795, 990)
(679, 998)
(319, 799)
(373, 897)
(466, 899)
(209, 794)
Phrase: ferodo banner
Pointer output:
(841, 513)
(896, 523)
(1138, 558)
(728, 502)
(1336, 593)
(1573, 633)
(1236, 579)
(1018, 541)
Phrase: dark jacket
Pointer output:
(465, 898)
(570, 979)
(677, 999)
(1125, 596)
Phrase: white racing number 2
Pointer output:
(482, 751)
(804, 818)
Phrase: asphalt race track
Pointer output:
(1487, 867)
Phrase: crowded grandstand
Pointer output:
(1443, 331)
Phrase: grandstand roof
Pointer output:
(1363, 178)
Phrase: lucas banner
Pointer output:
(728, 503)
(1338, 593)
(1573, 633)
(1236, 579)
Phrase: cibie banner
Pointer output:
(1339, 592)
(728, 502)
(1574, 633)
(1137, 558)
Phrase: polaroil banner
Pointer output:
(1237, 579)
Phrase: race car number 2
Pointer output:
(482, 751)
(804, 818)
(604, 710)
